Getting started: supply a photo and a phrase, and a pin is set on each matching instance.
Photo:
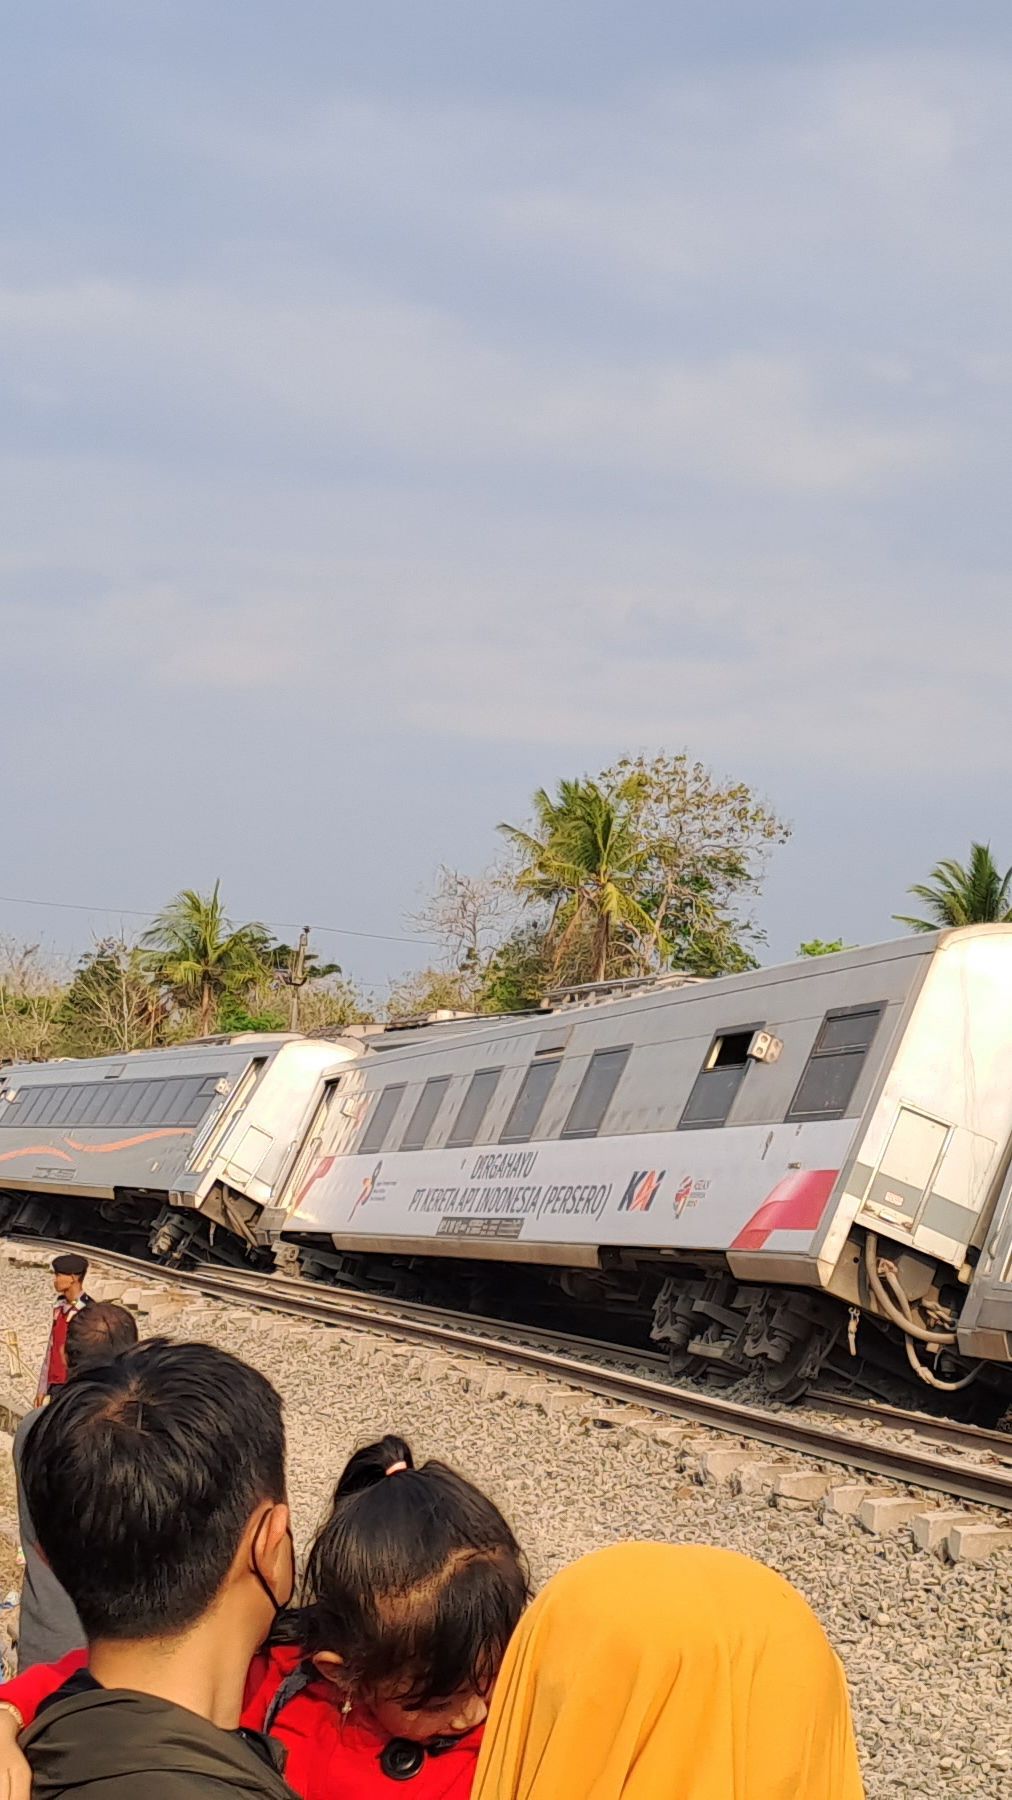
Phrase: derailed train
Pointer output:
(769, 1168)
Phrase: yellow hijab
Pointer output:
(661, 1672)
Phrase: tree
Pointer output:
(687, 853)
(111, 1004)
(707, 843)
(823, 947)
(198, 956)
(518, 971)
(328, 1005)
(427, 991)
(30, 995)
(465, 915)
(587, 861)
(963, 894)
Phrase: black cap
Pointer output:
(71, 1264)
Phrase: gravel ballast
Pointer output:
(927, 1646)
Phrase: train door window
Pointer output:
(529, 1103)
(716, 1086)
(830, 1075)
(424, 1116)
(602, 1076)
(474, 1106)
(381, 1119)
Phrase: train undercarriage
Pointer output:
(137, 1225)
(714, 1327)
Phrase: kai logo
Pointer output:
(642, 1190)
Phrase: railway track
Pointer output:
(940, 1455)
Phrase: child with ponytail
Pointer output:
(413, 1587)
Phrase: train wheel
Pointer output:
(790, 1380)
(683, 1362)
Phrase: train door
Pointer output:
(312, 1148)
(207, 1146)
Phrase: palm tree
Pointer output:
(196, 952)
(586, 860)
(956, 895)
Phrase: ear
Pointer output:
(328, 1664)
(268, 1540)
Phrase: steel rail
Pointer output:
(984, 1483)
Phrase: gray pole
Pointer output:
(297, 977)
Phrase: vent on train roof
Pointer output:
(592, 993)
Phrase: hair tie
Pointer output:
(396, 1468)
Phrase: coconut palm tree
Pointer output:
(958, 894)
(195, 951)
(585, 860)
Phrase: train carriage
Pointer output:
(182, 1149)
(778, 1163)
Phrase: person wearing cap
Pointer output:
(69, 1271)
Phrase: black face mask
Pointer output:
(279, 1606)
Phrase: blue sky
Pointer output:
(404, 405)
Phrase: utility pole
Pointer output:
(297, 976)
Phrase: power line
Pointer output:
(131, 912)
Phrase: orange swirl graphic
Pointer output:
(143, 1137)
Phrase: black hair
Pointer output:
(141, 1477)
(414, 1578)
(96, 1335)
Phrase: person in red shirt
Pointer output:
(69, 1271)
(413, 1588)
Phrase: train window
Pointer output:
(603, 1073)
(830, 1075)
(179, 1101)
(716, 1085)
(527, 1107)
(381, 1118)
(474, 1106)
(424, 1116)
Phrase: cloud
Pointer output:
(419, 383)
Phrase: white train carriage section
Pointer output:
(779, 1166)
(179, 1150)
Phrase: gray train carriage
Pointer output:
(182, 1151)
(778, 1166)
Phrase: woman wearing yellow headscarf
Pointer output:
(663, 1672)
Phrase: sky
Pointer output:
(404, 405)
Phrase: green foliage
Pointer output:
(518, 971)
(707, 843)
(110, 1005)
(198, 957)
(30, 996)
(428, 991)
(823, 947)
(653, 864)
(586, 860)
(963, 894)
(329, 1004)
(235, 1015)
